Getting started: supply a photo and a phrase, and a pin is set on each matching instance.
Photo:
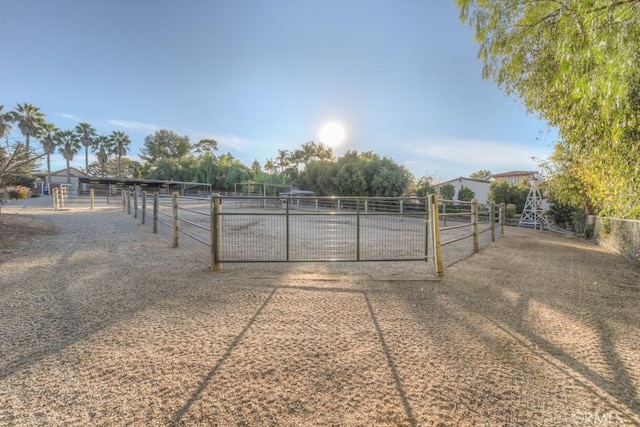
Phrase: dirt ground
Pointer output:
(102, 323)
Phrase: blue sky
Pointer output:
(401, 76)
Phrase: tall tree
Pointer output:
(15, 160)
(6, 121)
(68, 145)
(30, 121)
(309, 152)
(482, 174)
(103, 146)
(270, 166)
(576, 64)
(121, 143)
(86, 133)
(205, 146)
(166, 144)
(283, 159)
(49, 144)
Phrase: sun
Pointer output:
(332, 134)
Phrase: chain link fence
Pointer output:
(622, 235)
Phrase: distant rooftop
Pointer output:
(515, 173)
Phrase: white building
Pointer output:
(479, 187)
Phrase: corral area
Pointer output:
(103, 323)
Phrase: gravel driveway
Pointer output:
(102, 323)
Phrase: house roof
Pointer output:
(515, 173)
(62, 172)
(461, 178)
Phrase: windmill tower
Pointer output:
(533, 214)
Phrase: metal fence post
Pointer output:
(176, 220)
(492, 219)
(358, 229)
(143, 208)
(287, 228)
(437, 247)
(474, 219)
(135, 204)
(91, 198)
(216, 233)
(156, 205)
(427, 219)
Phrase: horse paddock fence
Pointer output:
(319, 229)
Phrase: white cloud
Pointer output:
(454, 156)
(225, 142)
(136, 126)
(67, 116)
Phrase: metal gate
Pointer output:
(285, 229)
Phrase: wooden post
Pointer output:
(124, 200)
(91, 198)
(60, 197)
(176, 220)
(216, 233)
(143, 208)
(156, 205)
(503, 218)
(437, 246)
(135, 204)
(128, 202)
(474, 219)
(492, 219)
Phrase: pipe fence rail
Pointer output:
(235, 229)
(459, 222)
(318, 229)
(68, 197)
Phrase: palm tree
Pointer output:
(269, 166)
(68, 145)
(283, 159)
(6, 121)
(86, 133)
(309, 151)
(103, 146)
(49, 144)
(121, 144)
(324, 152)
(30, 121)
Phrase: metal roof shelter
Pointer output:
(163, 187)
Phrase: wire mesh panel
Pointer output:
(250, 237)
(322, 229)
(319, 237)
(622, 235)
(393, 236)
